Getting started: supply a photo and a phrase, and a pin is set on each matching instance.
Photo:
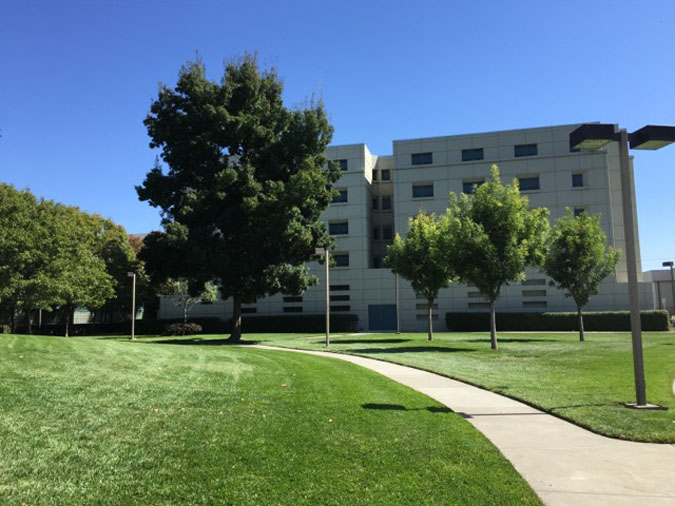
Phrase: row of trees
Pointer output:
(488, 238)
(56, 256)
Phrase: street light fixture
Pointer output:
(597, 135)
(324, 252)
(672, 280)
(132, 275)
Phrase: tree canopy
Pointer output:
(493, 236)
(578, 259)
(246, 182)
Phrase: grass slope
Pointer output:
(586, 383)
(104, 421)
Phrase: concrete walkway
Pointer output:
(563, 463)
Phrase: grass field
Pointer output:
(108, 422)
(586, 383)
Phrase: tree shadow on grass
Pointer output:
(412, 349)
(188, 341)
(512, 340)
(399, 407)
(366, 341)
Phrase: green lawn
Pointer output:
(109, 422)
(583, 382)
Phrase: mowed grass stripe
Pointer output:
(98, 421)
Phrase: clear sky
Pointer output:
(77, 78)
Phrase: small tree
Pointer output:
(577, 258)
(496, 237)
(179, 289)
(420, 259)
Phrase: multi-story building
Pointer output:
(379, 195)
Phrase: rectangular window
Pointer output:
(376, 232)
(292, 299)
(386, 175)
(292, 309)
(375, 175)
(338, 228)
(338, 298)
(529, 183)
(472, 154)
(578, 211)
(342, 197)
(534, 303)
(525, 150)
(534, 293)
(339, 288)
(421, 191)
(421, 159)
(425, 317)
(478, 305)
(375, 204)
(341, 259)
(339, 308)
(377, 263)
(577, 180)
(475, 295)
(533, 282)
(387, 233)
(248, 310)
(470, 186)
(386, 203)
(426, 306)
(342, 164)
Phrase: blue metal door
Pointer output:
(382, 317)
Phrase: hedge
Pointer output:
(250, 324)
(654, 320)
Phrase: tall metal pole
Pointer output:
(672, 286)
(327, 300)
(631, 264)
(133, 306)
(398, 306)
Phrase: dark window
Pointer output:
(377, 263)
(339, 308)
(426, 306)
(470, 186)
(534, 303)
(292, 299)
(342, 197)
(386, 175)
(339, 288)
(528, 183)
(421, 159)
(387, 233)
(577, 180)
(531, 282)
(426, 316)
(477, 305)
(342, 164)
(578, 211)
(341, 259)
(534, 293)
(338, 228)
(472, 154)
(375, 175)
(248, 310)
(375, 205)
(422, 190)
(475, 295)
(525, 150)
(386, 203)
(292, 309)
(376, 232)
(338, 298)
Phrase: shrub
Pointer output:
(178, 329)
(653, 320)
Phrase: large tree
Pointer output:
(578, 258)
(421, 260)
(492, 236)
(246, 183)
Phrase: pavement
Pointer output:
(563, 463)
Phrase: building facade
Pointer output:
(379, 195)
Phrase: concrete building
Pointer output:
(379, 194)
(663, 289)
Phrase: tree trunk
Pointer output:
(431, 319)
(235, 334)
(69, 313)
(185, 317)
(581, 324)
(12, 318)
(493, 325)
(29, 321)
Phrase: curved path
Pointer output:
(562, 462)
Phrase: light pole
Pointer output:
(132, 275)
(398, 308)
(672, 281)
(324, 252)
(594, 136)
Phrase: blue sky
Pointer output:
(77, 78)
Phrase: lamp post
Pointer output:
(672, 281)
(398, 306)
(324, 252)
(132, 275)
(597, 135)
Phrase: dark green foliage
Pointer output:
(181, 329)
(246, 183)
(656, 320)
